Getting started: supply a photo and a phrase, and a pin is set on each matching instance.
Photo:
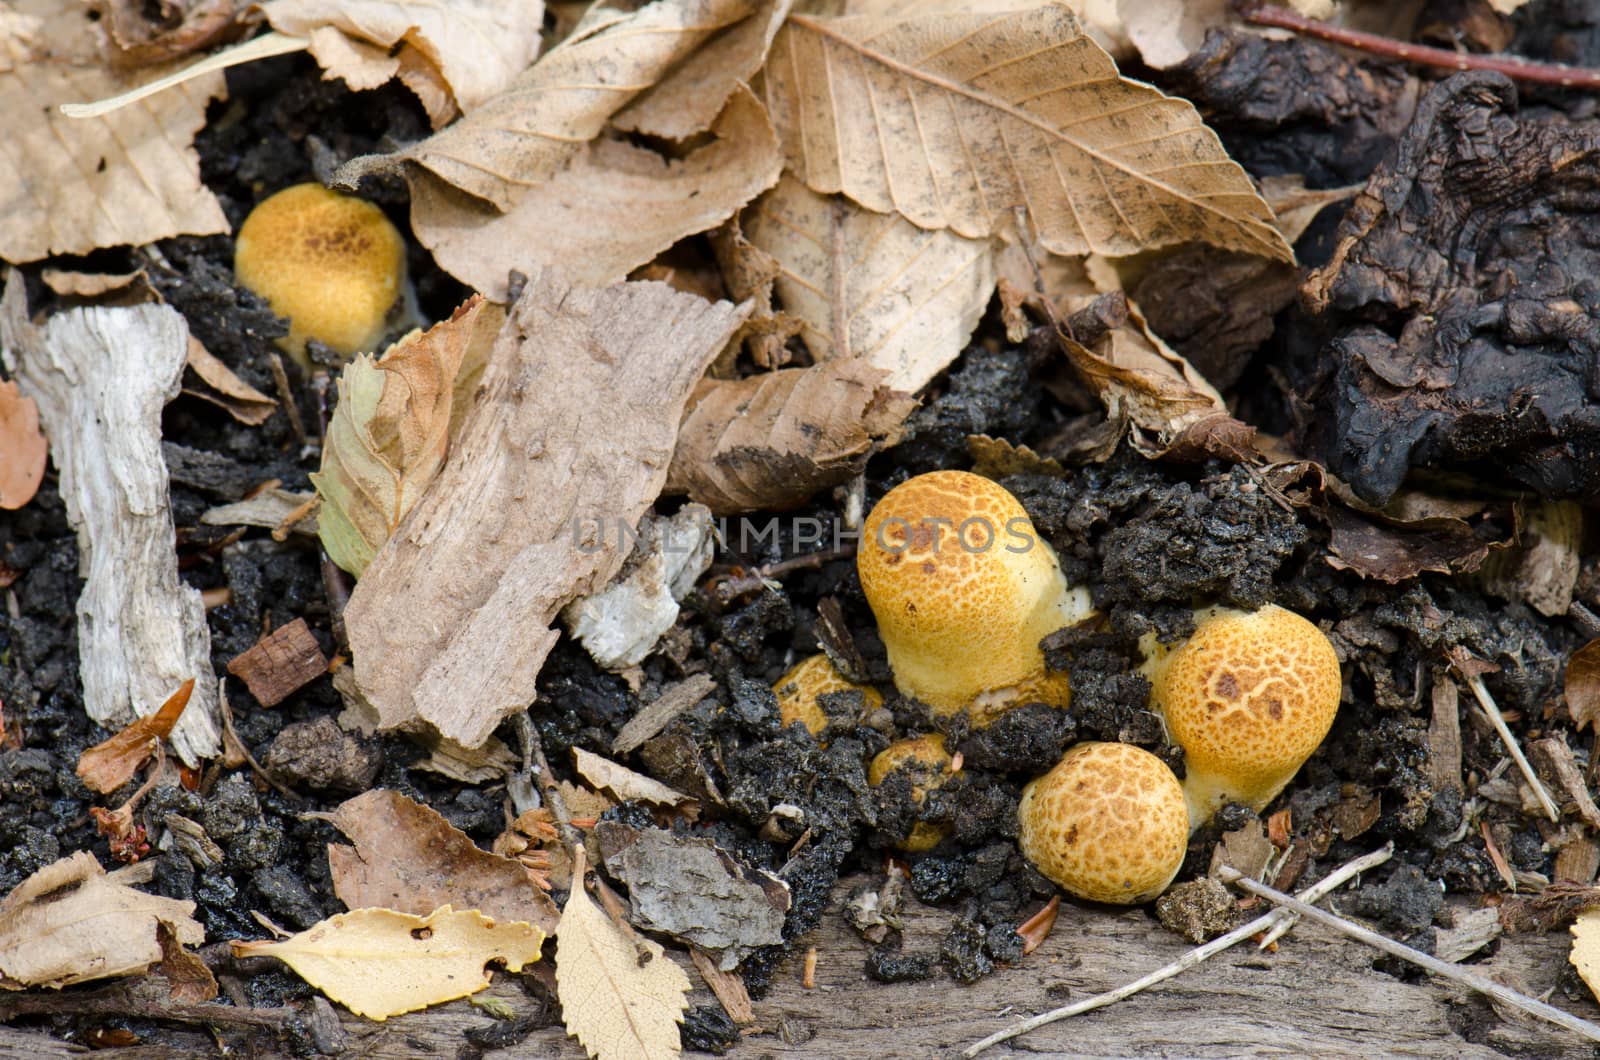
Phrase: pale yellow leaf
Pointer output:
(689, 98)
(1585, 956)
(613, 209)
(379, 963)
(872, 287)
(526, 133)
(618, 1008)
(953, 120)
(388, 437)
(476, 47)
(69, 186)
(70, 923)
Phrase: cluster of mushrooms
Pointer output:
(963, 589)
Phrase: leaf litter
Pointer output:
(861, 251)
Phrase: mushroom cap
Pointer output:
(1248, 697)
(331, 263)
(797, 692)
(964, 588)
(1108, 823)
(927, 762)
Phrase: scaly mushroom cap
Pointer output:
(1108, 823)
(331, 263)
(797, 692)
(1248, 697)
(927, 762)
(964, 588)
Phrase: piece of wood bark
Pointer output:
(654, 716)
(568, 437)
(101, 376)
(280, 663)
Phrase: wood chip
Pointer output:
(280, 663)
(655, 715)
(1444, 736)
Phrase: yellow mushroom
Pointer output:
(1108, 823)
(964, 588)
(1248, 697)
(799, 689)
(928, 765)
(331, 263)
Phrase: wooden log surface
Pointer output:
(1319, 995)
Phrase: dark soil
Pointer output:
(1152, 541)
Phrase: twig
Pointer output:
(1483, 984)
(1480, 692)
(291, 409)
(1518, 69)
(1195, 956)
(122, 1001)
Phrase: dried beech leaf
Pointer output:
(241, 400)
(450, 623)
(73, 185)
(872, 287)
(108, 765)
(750, 274)
(23, 447)
(528, 132)
(379, 963)
(613, 209)
(623, 782)
(1583, 686)
(774, 439)
(101, 376)
(474, 48)
(388, 436)
(688, 99)
(70, 923)
(954, 119)
(409, 858)
(191, 981)
(140, 36)
(619, 1008)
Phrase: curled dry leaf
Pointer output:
(449, 625)
(70, 922)
(614, 208)
(528, 132)
(772, 440)
(83, 184)
(614, 1001)
(872, 287)
(142, 37)
(408, 857)
(23, 447)
(390, 432)
(108, 765)
(239, 399)
(1582, 687)
(379, 963)
(953, 119)
(470, 49)
(191, 982)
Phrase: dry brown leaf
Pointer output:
(140, 36)
(623, 782)
(76, 185)
(613, 209)
(108, 765)
(101, 377)
(689, 98)
(527, 133)
(191, 981)
(1582, 687)
(389, 435)
(750, 274)
(952, 120)
(872, 287)
(582, 802)
(450, 623)
(134, 286)
(70, 923)
(239, 399)
(471, 49)
(23, 447)
(409, 858)
(618, 1007)
(770, 441)
(469, 765)
(379, 963)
